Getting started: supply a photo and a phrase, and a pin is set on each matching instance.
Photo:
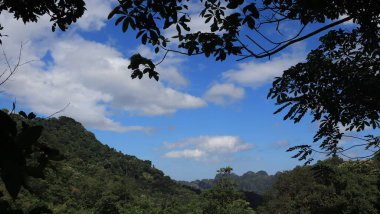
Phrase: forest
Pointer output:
(53, 164)
(91, 177)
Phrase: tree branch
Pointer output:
(269, 53)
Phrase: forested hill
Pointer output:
(90, 177)
(93, 177)
(258, 182)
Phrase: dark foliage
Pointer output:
(339, 82)
(62, 12)
(21, 155)
(339, 85)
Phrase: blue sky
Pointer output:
(201, 115)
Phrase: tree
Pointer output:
(330, 186)
(62, 12)
(21, 155)
(223, 198)
(338, 84)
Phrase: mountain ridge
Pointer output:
(258, 182)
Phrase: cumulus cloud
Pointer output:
(222, 94)
(91, 76)
(255, 74)
(206, 147)
(187, 153)
(96, 14)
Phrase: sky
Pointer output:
(202, 115)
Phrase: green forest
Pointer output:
(90, 177)
(53, 164)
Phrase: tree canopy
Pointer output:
(329, 186)
(338, 84)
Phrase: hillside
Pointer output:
(93, 177)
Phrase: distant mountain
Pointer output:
(94, 178)
(258, 182)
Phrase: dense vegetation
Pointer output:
(258, 182)
(330, 186)
(94, 178)
(338, 84)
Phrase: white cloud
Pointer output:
(255, 74)
(222, 94)
(206, 147)
(187, 153)
(96, 14)
(91, 76)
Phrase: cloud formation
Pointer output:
(222, 94)
(206, 148)
(91, 76)
(96, 14)
(255, 74)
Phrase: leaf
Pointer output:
(233, 4)
(214, 27)
(250, 22)
(139, 33)
(118, 20)
(23, 114)
(31, 116)
(113, 12)
(125, 25)
(29, 136)
(144, 39)
(12, 175)
(178, 29)
(252, 9)
(7, 124)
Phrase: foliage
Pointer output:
(95, 178)
(257, 182)
(62, 12)
(223, 198)
(228, 18)
(338, 83)
(330, 186)
(21, 155)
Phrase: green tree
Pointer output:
(339, 82)
(223, 198)
(330, 186)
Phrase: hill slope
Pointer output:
(96, 178)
